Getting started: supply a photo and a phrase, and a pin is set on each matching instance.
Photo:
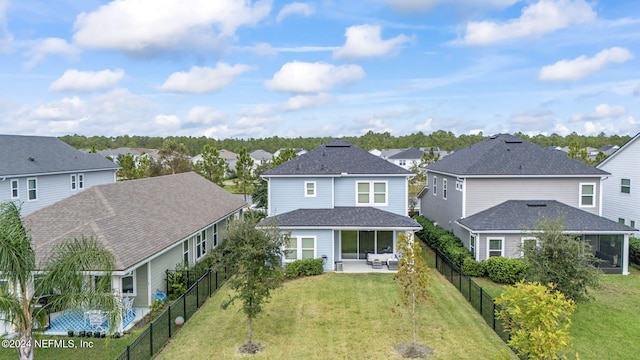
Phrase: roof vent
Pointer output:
(536, 204)
(31, 158)
(513, 141)
(493, 136)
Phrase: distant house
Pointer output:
(260, 157)
(407, 158)
(492, 193)
(113, 154)
(339, 203)
(386, 153)
(151, 225)
(230, 158)
(37, 171)
(620, 189)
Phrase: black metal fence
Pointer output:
(163, 327)
(477, 297)
(178, 281)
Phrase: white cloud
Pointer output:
(81, 81)
(65, 109)
(203, 115)
(143, 26)
(201, 80)
(425, 5)
(537, 19)
(636, 91)
(366, 41)
(304, 77)
(602, 111)
(295, 8)
(304, 101)
(5, 36)
(426, 126)
(583, 66)
(244, 127)
(49, 46)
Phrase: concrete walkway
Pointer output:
(360, 266)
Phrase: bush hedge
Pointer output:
(443, 240)
(305, 267)
(504, 270)
(634, 250)
(474, 268)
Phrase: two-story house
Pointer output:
(622, 202)
(492, 194)
(407, 158)
(37, 171)
(338, 202)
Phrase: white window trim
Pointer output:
(214, 232)
(17, 188)
(133, 274)
(306, 194)
(29, 189)
(501, 245)
(80, 181)
(74, 182)
(299, 247)
(592, 195)
(525, 238)
(372, 193)
(458, 185)
(622, 186)
(435, 186)
(402, 162)
(444, 189)
(186, 252)
(200, 239)
(473, 250)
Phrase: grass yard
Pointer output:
(338, 316)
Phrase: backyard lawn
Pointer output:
(338, 316)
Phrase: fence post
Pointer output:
(169, 322)
(197, 294)
(166, 278)
(128, 352)
(216, 279)
(184, 305)
(209, 280)
(151, 339)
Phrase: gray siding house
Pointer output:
(151, 225)
(469, 190)
(338, 202)
(37, 171)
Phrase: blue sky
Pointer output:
(242, 69)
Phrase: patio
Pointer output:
(360, 266)
(62, 321)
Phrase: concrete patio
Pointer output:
(360, 266)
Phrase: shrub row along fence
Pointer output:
(477, 297)
(162, 328)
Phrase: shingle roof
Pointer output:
(334, 158)
(135, 219)
(261, 155)
(410, 153)
(506, 154)
(356, 217)
(31, 155)
(524, 214)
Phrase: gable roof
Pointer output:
(518, 215)
(261, 155)
(342, 217)
(508, 155)
(33, 155)
(410, 153)
(337, 157)
(135, 219)
(620, 150)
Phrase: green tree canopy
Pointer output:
(212, 166)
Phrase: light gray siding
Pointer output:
(324, 241)
(482, 194)
(616, 204)
(442, 211)
(167, 261)
(288, 194)
(142, 287)
(510, 245)
(345, 192)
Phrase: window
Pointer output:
(621, 221)
(201, 244)
(32, 185)
(300, 247)
(435, 186)
(128, 283)
(77, 181)
(587, 195)
(15, 191)
(309, 189)
(185, 252)
(632, 223)
(495, 247)
(458, 185)
(472, 245)
(528, 243)
(80, 181)
(74, 182)
(625, 186)
(215, 235)
(402, 162)
(444, 189)
(371, 193)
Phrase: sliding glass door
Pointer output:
(356, 244)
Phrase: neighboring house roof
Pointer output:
(135, 219)
(386, 153)
(620, 150)
(228, 155)
(347, 217)
(410, 153)
(152, 153)
(337, 157)
(33, 155)
(114, 153)
(508, 155)
(261, 155)
(519, 215)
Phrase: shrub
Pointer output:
(305, 267)
(442, 240)
(634, 250)
(505, 271)
(457, 254)
(473, 268)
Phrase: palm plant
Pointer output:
(61, 278)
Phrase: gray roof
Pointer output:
(524, 214)
(261, 155)
(32, 155)
(135, 219)
(410, 153)
(337, 157)
(507, 155)
(356, 217)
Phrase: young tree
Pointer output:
(175, 156)
(62, 278)
(537, 319)
(253, 255)
(562, 260)
(284, 156)
(212, 166)
(128, 168)
(244, 168)
(413, 279)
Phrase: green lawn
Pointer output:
(338, 316)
